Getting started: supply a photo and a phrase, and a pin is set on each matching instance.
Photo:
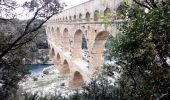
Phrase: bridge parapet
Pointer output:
(90, 11)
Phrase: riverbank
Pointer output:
(44, 84)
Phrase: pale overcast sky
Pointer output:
(69, 3)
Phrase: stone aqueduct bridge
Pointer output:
(65, 32)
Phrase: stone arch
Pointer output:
(85, 51)
(77, 47)
(96, 15)
(52, 53)
(70, 18)
(48, 29)
(58, 60)
(65, 70)
(77, 81)
(84, 42)
(80, 16)
(66, 40)
(58, 42)
(87, 16)
(119, 10)
(97, 53)
(74, 17)
(66, 18)
(109, 45)
(107, 12)
(52, 30)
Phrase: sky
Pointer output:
(69, 3)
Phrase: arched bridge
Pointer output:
(77, 38)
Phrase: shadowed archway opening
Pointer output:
(66, 18)
(97, 54)
(77, 81)
(66, 41)
(107, 13)
(58, 61)
(52, 30)
(52, 53)
(84, 43)
(80, 17)
(85, 52)
(65, 70)
(77, 48)
(108, 47)
(58, 36)
(96, 15)
(87, 16)
(70, 18)
(74, 17)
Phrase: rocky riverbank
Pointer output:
(47, 83)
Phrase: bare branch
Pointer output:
(28, 30)
(25, 42)
(141, 4)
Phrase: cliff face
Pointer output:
(38, 57)
(38, 49)
(33, 52)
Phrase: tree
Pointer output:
(142, 50)
(41, 9)
(16, 34)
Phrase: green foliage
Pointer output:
(15, 36)
(142, 50)
(98, 89)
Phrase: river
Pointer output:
(37, 69)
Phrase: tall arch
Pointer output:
(87, 16)
(77, 81)
(66, 18)
(77, 47)
(52, 33)
(52, 30)
(84, 42)
(97, 53)
(80, 16)
(66, 40)
(65, 70)
(107, 13)
(70, 18)
(58, 59)
(58, 40)
(74, 17)
(96, 15)
(120, 11)
(52, 53)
